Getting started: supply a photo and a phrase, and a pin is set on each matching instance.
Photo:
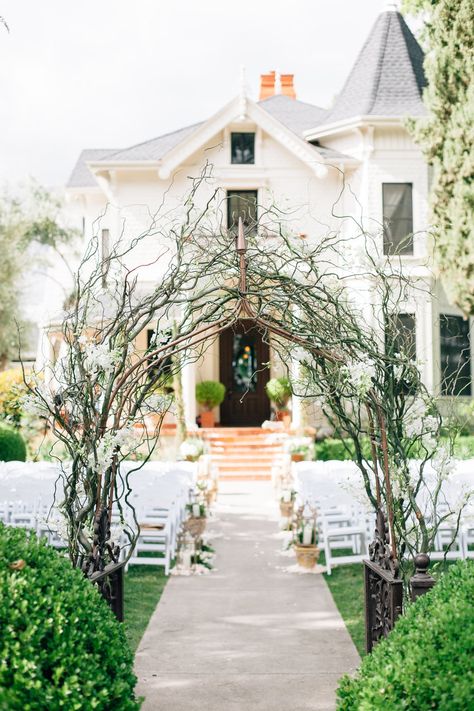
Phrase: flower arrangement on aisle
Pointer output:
(287, 503)
(305, 541)
(192, 449)
(195, 553)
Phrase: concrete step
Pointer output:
(244, 476)
(243, 457)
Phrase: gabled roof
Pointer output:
(296, 115)
(154, 149)
(387, 78)
(81, 176)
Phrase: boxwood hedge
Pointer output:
(12, 445)
(60, 645)
(427, 662)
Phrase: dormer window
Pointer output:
(243, 148)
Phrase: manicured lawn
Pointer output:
(143, 587)
(346, 584)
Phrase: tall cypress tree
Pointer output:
(446, 136)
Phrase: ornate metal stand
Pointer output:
(111, 589)
(108, 576)
(383, 587)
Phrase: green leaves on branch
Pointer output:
(447, 137)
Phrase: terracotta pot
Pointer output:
(286, 509)
(280, 415)
(207, 419)
(306, 556)
(297, 457)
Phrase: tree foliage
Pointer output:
(28, 217)
(446, 136)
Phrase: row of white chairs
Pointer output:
(345, 518)
(158, 491)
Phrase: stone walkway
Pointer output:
(248, 636)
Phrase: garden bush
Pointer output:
(12, 391)
(60, 645)
(12, 445)
(427, 661)
(329, 449)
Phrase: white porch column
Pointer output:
(188, 374)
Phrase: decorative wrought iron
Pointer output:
(103, 565)
(380, 551)
(421, 582)
(383, 587)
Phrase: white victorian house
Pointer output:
(357, 154)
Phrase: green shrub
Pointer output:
(427, 662)
(338, 449)
(279, 391)
(12, 391)
(464, 447)
(60, 645)
(12, 446)
(210, 393)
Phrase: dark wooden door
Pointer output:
(244, 370)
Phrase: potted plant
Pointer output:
(287, 502)
(209, 394)
(305, 543)
(299, 448)
(196, 521)
(279, 392)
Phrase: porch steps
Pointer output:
(244, 453)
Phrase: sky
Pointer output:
(111, 73)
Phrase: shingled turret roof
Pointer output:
(387, 78)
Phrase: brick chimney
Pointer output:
(267, 85)
(286, 83)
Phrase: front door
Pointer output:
(244, 370)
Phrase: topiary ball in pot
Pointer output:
(279, 392)
(209, 394)
(12, 446)
(61, 646)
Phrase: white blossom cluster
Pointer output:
(124, 439)
(360, 374)
(99, 357)
(301, 355)
(158, 402)
(442, 463)
(418, 423)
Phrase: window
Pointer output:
(400, 335)
(455, 355)
(397, 218)
(242, 203)
(243, 148)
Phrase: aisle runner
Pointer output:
(248, 637)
